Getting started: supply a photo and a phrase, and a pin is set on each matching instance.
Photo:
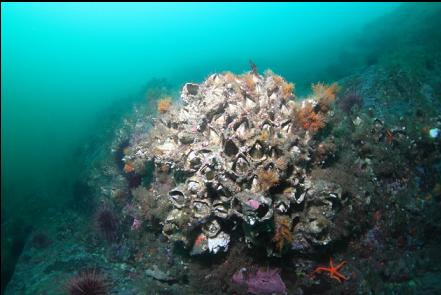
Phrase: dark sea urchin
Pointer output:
(89, 282)
(350, 99)
(106, 223)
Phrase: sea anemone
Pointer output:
(88, 282)
(106, 223)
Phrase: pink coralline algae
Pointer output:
(262, 282)
(253, 204)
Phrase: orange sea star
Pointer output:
(333, 271)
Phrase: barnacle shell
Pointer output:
(178, 197)
(281, 204)
(257, 151)
(220, 209)
(172, 226)
(252, 207)
(201, 208)
(211, 229)
(195, 185)
(241, 165)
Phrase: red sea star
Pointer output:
(333, 271)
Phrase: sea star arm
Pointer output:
(337, 274)
(340, 265)
(333, 276)
(333, 271)
(318, 269)
(331, 263)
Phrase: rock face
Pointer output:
(239, 150)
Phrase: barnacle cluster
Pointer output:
(238, 151)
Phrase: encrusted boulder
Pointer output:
(239, 149)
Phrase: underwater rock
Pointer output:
(242, 147)
(159, 275)
(316, 221)
(262, 282)
(40, 240)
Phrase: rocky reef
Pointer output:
(242, 187)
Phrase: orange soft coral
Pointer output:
(164, 104)
(325, 94)
(128, 167)
(323, 90)
(267, 178)
(230, 77)
(249, 82)
(277, 79)
(287, 89)
(264, 135)
(309, 119)
(283, 233)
